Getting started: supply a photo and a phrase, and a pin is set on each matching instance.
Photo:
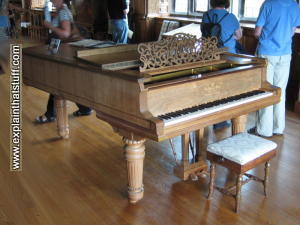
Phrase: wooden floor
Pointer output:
(82, 180)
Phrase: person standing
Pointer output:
(275, 27)
(118, 10)
(230, 26)
(4, 20)
(61, 27)
(230, 31)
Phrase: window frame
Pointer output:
(242, 11)
(191, 11)
(194, 11)
(198, 14)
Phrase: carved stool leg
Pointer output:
(238, 192)
(212, 180)
(239, 124)
(266, 178)
(135, 154)
(62, 117)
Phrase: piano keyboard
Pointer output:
(212, 107)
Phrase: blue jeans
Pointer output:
(119, 30)
(271, 119)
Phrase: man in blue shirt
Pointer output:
(275, 27)
(231, 30)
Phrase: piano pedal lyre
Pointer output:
(174, 151)
(197, 167)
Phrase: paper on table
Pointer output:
(90, 43)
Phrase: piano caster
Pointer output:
(203, 174)
(64, 134)
(194, 177)
(135, 195)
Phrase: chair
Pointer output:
(240, 153)
(166, 26)
(37, 30)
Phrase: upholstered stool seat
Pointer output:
(240, 153)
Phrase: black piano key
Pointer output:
(209, 105)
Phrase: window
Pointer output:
(37, 3)
(201, 5)
(181, 6)
(250, 9)
(243, 9)
(190, 7)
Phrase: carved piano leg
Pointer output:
(135, 154)
(62, 117)
(239, 124)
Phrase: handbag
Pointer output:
(75, 33)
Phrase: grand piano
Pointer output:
(153, 91)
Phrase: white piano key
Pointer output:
(207, 111)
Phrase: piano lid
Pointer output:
(111, 58)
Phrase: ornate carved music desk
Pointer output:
(183, 84)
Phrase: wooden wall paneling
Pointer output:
(100, 16)
(157, 26)
(84, 10)
(144, 29)
(248, 40)
(144, 13)
(293, 86)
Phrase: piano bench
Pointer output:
(240, 153)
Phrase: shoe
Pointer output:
(44, 119)
(252, 130)
(223, 124)
(78, 113)
(263, 136)
(278, 134)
